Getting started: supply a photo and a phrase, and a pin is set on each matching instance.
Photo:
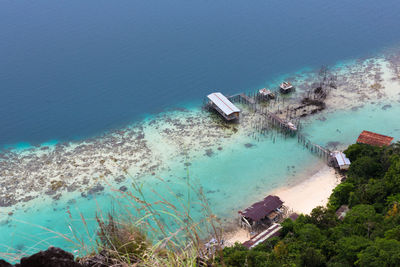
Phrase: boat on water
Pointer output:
(292, 126)
(286, 87)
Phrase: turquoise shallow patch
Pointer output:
(231, 178)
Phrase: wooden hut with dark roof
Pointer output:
(374, 139)
(262, 213)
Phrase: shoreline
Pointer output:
(305, 195)
(167, 140)
(300, 196)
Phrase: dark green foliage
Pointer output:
(382, 252)
(341, 194)
(323, 218)
(361, 220)
(364, 168)
(369, 235)
(310, 233)
(312, 257)
(238, 255)
(393, 233)
(348, 247)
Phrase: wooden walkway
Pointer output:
(242, 98)
(322, 152)
(282, 124)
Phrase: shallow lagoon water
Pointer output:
(231, 178)
(112, 89)
(345, 126)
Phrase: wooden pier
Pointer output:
(322, 152)
(244, 99)
(286, 125)
(289, 126)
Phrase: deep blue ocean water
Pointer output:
(71, 69)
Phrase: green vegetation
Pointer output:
(140, 234)
(369, 234)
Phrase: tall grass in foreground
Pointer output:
(158, 233)
(141, 232)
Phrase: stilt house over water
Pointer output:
(374, 139)
(262, 213)
(286, 87)
(225, 107)
(266, 94)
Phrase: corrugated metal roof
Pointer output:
(342, 159)
(223, 103)
(374, 139)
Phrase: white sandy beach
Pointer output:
(310, 193)
(302, 198)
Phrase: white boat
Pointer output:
(292, 126)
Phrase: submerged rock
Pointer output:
(57, 197)
(7, 202)
(333, 144)
(120, 179)
(71, 201)
(123, 188)
(209, 152)
(96, 189)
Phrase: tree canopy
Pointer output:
(369, 235)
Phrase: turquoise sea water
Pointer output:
(231, 179)
(345, 126)
(76, 70)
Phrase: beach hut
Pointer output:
(341, 212)
(286, 87)
(224, 107)
(266, 94)
(262, 213)
(374, 139)
(340, 160)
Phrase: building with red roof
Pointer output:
(374, 139)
